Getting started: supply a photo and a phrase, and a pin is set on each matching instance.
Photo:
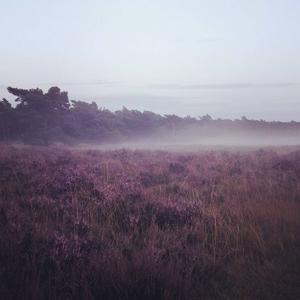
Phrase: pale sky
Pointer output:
(226, 58)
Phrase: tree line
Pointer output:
(51, 117)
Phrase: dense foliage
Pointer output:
(149, 225)
(45, 118)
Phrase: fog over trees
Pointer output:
(51, 117)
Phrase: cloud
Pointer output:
(217, 86)
(67, 83)
(153, 101)
(78, 83)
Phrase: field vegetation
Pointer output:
(130, 224)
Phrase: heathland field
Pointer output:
(125, 224)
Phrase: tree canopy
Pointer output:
(48, 117)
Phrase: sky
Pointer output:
(226, 58)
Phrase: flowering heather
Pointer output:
(149, 224)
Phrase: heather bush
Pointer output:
(149, 225)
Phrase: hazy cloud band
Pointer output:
(215, 86)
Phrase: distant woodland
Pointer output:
(50, 117)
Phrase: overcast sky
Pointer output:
(227, 58)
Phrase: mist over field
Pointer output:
(187, 142)
(214, 137)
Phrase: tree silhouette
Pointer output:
(50, 117)
(5, 106)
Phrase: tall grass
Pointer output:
(149, 225)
